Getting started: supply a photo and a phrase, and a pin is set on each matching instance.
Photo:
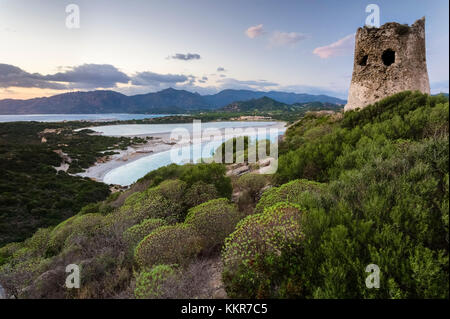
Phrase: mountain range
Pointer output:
(165, 101)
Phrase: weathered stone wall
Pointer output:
(388, 60)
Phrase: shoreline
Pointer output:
(158, 143)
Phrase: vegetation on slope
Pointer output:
(32, 193)
(385, 202)
(368, 187)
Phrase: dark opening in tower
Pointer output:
(363, 60)
(388, 57)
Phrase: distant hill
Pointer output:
(226, 97)
(266, 104)
(165, 101)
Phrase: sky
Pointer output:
(204, 46)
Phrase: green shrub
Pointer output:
(292, 192)
(213, 173)
(91, 208)
(252, 184)
(136, 233)
(7, 251)
(173, 190)
(176, 244)
(149, 284)
(88, 225)
(59, 235)
(39, 241)
(199, 193)
(68, 231)
(252, 252)
(148, 204)
(213, 221)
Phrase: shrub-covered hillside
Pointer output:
(355, 189)
(162, 225)
(383, 200)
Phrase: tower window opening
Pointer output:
(363, 61)
(388, 57)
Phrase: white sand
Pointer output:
(159, 143)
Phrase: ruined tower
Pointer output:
(388, 60)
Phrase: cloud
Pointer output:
(85, 76)
(155, 79)
(186, 57)
(341, 47)
(90, 76)
(255, 31)
(221, 69)
(12, 76)
(285, 38)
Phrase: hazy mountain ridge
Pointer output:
(165, 101)
(266, 104)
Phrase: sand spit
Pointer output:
(156, 143)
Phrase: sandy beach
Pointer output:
(156, 143)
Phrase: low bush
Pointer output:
(150, 284)
(173, 282)
(292, 192)
(173, 190)
(252, 184)
(39, 241)
(59, 235)
(150, 203)
(253, 252)
(199, 193)
(136, 233)
(68, 231)
(176, 244)
(213, 173)
(213, 221)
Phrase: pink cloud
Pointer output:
(255, 31)
(341, 47)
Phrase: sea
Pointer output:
(76, 117)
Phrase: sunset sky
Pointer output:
(200, 45)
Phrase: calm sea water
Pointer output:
(76, 117)
(129, 173)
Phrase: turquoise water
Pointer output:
(76, 117)
(131, 172)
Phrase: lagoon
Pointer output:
(130, 172)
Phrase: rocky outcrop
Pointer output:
(388, 60)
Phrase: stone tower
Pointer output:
(388, 60)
